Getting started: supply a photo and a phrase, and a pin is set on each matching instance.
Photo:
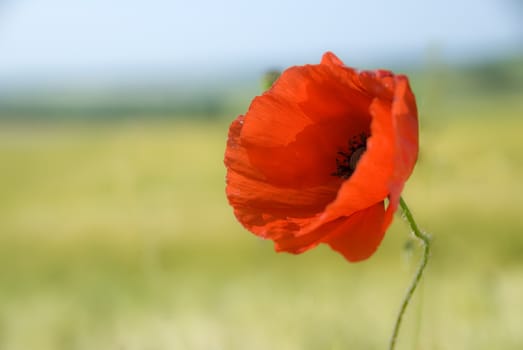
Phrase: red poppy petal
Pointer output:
(236, 158)
(278, 210)
(360, 234)
(298, 244)
(272, 121)
(264, 208)
(310, 159)
(390, 157)
(379, 83)
(323, 91)
(349, 76)
(405, 120)
(356, 237)
(293, 132)
(370, 182)
(406, 125)
(301, 96)
(331, 59)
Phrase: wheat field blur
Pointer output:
(117, 235)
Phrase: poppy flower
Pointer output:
(322, 157)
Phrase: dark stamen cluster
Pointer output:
(346, 161)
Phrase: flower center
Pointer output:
(346, 161)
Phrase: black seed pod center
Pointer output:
(346, 162)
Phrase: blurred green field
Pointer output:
(118, 236)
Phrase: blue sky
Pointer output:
(74, 37)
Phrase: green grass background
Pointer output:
(117, 235)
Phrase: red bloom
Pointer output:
(315, 157)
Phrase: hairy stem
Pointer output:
(425, 241)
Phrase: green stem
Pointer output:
(425, 241)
